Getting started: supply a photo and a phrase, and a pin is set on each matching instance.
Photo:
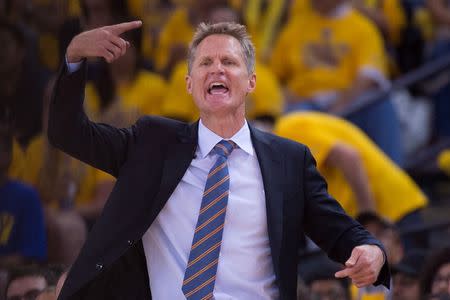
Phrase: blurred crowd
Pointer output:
(319, 63)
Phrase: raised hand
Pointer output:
(364, 265)
(101, 42)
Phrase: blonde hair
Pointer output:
(235, 30)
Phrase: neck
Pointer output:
(224, 127)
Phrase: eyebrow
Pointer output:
(205, 58)
(223, 57)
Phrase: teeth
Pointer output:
(214, 84)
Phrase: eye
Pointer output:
(228, 62)
(205, 62)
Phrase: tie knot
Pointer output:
(224, 148)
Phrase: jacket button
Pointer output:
(130, 243)
(98, 266)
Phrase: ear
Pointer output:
(188, 84)
(251, 83)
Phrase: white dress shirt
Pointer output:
(245, 268)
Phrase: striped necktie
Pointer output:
(200, 275)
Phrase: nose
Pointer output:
(218, 68)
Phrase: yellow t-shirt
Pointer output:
(300, 7)
(143, 96)
(178, 103)
(262, 19)
(267, 99)
(48, 41)
(177, 31)
(26, 163)
(394, 191)
(374, 293)
(92, 177)
(330, 57)
(27, 166)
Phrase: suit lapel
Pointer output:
(178, 158)
(272, 174)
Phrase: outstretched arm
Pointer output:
(69, 129)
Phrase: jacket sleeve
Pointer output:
(69, 129)
(329, 226)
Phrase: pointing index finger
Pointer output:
(120, 28)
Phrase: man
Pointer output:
(27, 283)
(264, 104)
(329, 68)
(406, 276)
(164, 224)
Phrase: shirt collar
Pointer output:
(208, 139)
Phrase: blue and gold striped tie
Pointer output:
(200, 275)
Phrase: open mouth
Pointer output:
(217, 88)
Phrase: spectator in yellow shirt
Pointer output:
(331, 65)
(329, 56)
(62, 182)
(173, 40)
(360, 176)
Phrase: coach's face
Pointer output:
(219, 81)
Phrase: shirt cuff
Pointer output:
(72, 67)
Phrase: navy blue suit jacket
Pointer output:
(149, 159)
